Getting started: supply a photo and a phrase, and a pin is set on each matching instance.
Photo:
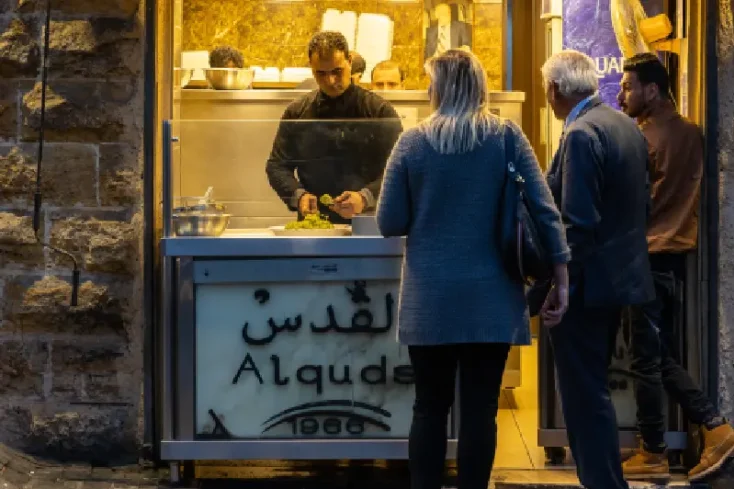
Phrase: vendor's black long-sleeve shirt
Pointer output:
(330, 145)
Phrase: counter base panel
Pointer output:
(291, 450)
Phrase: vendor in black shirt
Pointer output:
(330, 141)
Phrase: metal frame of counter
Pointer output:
(240, 246)
(185, 274)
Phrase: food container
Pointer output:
(184, 76)
(200, 224)
(199, 216)
(365, 225)
(230, 78)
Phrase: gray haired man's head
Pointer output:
(569, 77)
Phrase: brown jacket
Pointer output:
(676, 165)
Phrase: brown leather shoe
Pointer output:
(718, 446)
(644, 465)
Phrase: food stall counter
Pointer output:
(273, 346)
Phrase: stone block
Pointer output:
(8, 111)
(103, 8)
(18, 244)
(93, 370)
(104, 387)
(16, 424)
(65, 387)
(120, 175)
(84, 111)
(43, 307)
(21, 367)
(88, 434)
(69, 174)
(95, 48)
(7, 6)
(103, 246)
(19, 51)
(95, 387)
(17, 176)
(84, 356)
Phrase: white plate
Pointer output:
(338, 230)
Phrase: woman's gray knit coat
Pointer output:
(454, 286)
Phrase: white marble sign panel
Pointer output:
(301, 360)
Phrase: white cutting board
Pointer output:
(374, 40)
(196, 60)
(344, 22)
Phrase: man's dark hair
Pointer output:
(326, 43)
(389, 65)
(649, 69)
(221, 56)
(359, 65)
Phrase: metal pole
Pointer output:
(167, 136)
(166, 294)
(150, 280)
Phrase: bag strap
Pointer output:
(510, 167)
(509, 147)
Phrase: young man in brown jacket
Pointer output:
(676, 166)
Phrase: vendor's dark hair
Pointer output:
(325, 43)
(649, 69)
(221, 56)
(359, 65)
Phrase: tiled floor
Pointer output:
(517, 420)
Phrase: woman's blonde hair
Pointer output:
(461, 119)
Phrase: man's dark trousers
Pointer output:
(655, 356)
(581, 350)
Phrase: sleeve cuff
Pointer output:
(296, 198)
(561, 257)
(369, 198)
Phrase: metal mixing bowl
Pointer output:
(200, 224)
(230, 78)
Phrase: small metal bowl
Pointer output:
(200, 224)
(230, 78)
(184, 76)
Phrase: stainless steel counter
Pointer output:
(239, 245)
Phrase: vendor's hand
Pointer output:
(556, 303)
(307, 204)
(348, 204)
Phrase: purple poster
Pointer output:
(587, 27)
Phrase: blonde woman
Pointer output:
(459, 308)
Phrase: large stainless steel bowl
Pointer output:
(230, 78)
(200, 224)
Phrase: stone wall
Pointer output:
(70, 377)
(726, 221)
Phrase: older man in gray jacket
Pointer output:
(599, 183)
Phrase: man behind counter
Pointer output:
(337, 155)
(387, 75)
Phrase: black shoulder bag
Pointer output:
(522, 252)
